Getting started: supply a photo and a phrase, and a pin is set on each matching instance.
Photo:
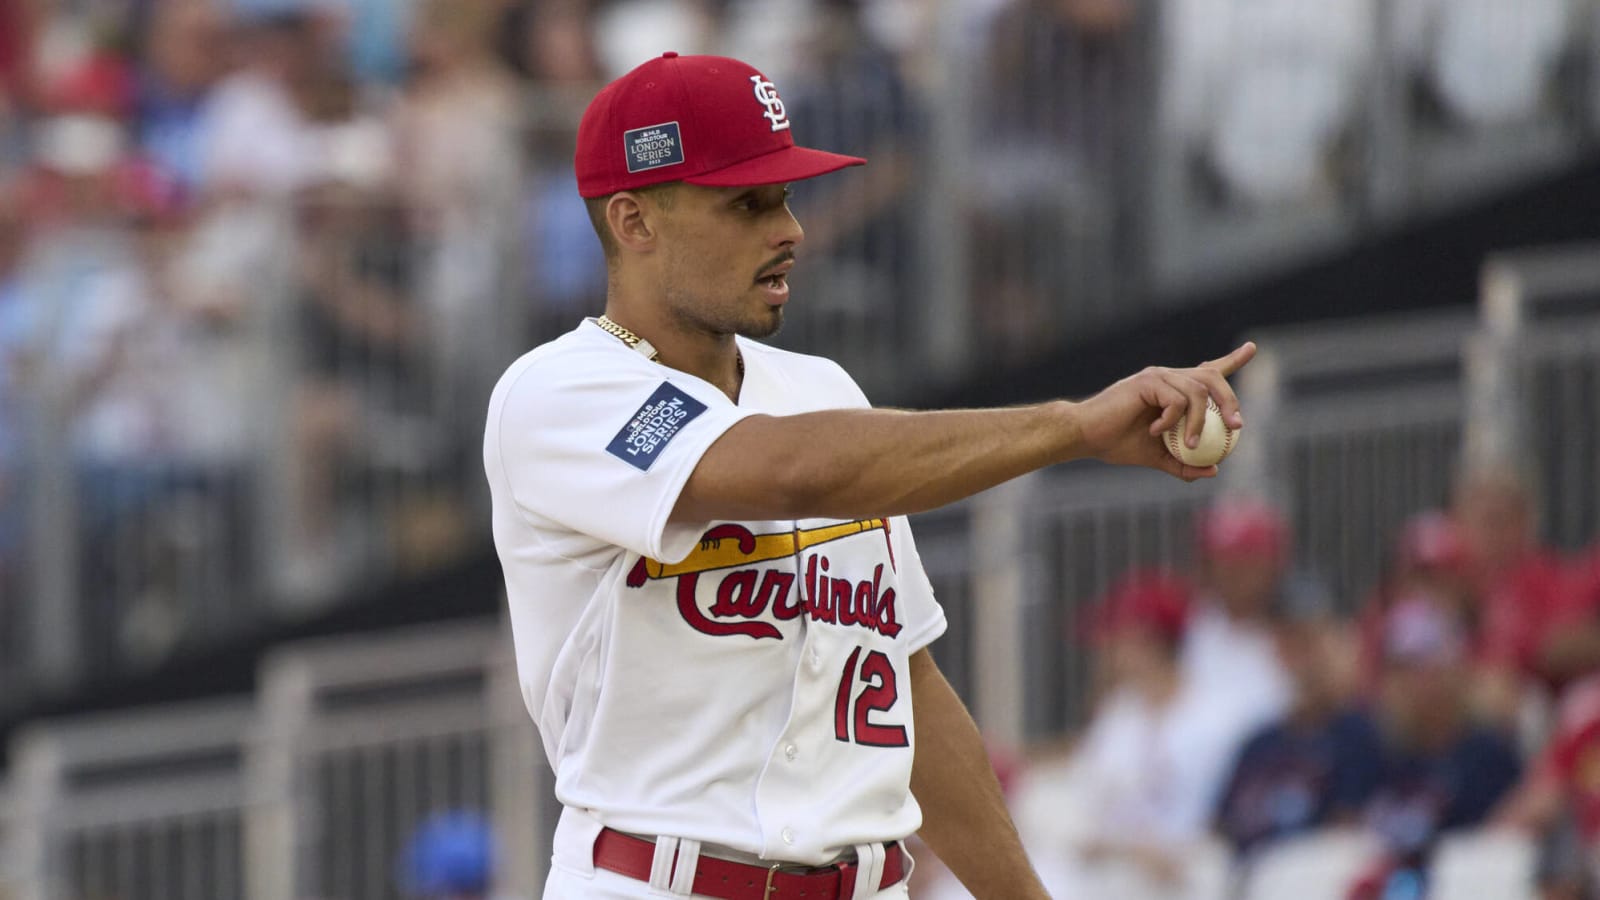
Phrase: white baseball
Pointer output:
(1217, 440)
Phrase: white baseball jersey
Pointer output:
(737, 683)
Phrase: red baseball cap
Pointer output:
(1152, 601)
(1242, 528)
(706, 120)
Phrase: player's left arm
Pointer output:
(964, 816)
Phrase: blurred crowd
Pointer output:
(220, 300)
(451, 855)
(260, 261)
(1241, 705)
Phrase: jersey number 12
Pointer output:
(879, 695)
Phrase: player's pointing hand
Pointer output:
(1124, 423)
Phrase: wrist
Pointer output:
(1064, 424)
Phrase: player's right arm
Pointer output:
(853, 463)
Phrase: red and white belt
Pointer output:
(727, 880)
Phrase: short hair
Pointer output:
(662, 194)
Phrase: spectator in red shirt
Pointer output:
(1534, 623)
(1586, 578)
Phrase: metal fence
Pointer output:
(322, 438)
(320, 368)
(143, 805)
(1079, 532)
(1536, 381)
(11, 874)
(358, 739)
(1354, 428)
(364, 739)
(311, 789)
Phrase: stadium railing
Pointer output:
(1354, 427)
(1080, 532)
(141, 805)
(1535, 380)
(1070, 173)
(390, 338)
(1039, 551)
(524, 806)
(358, 739)
(1063, 185)
(365, 738)
(328, 438)
(11, 844)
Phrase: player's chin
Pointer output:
(764, 324)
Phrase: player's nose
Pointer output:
(788, 232)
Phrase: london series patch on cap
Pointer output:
(653, 147)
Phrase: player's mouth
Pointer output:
(775, 282)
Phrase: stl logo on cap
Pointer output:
(767, 94)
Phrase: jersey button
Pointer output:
(816, 660)
(790, 751)
(788, 836)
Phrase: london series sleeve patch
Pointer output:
(656, 423)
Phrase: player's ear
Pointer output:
(632, 222)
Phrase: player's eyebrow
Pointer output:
(757, 196)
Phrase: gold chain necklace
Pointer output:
(622, 334)
(633, 340)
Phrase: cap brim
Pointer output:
(777, 167)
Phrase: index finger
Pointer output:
(1234, 361)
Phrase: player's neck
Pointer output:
(713, 358)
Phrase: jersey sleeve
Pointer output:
(922, 610)
(606, 452)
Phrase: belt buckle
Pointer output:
(777, 867)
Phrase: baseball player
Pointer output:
(721, 621)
